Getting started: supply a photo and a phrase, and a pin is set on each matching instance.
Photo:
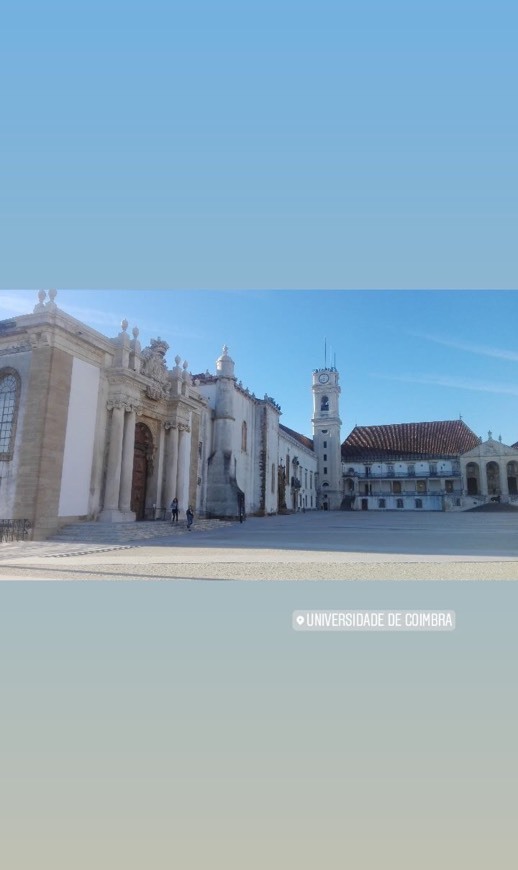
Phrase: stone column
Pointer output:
(504, 486)
(171, 471)
(110, 512)
(160, 474)
(483, 477)
(128, 450)
(184, 459)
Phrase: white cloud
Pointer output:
(13, 302)
(479, 349)
(458, 383)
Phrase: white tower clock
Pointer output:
(326, 437)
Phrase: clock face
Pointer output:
(323, 378)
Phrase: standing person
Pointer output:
(190, 517)
(174, 510)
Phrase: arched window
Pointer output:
(243, 436)
(9, 403)
(324, 404)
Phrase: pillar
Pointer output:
(184, 459)
(110, 510)
(171, 471)
(128, 450)
(504, 485)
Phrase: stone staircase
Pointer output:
(119, 534)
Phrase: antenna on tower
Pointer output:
(335, 361)
(325, 353)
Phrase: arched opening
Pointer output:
(324, 404)
(142, 458)
(9, 402)
(472, 478)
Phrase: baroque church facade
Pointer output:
(99, 428)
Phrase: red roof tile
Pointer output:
(409, 440)
(303, 439)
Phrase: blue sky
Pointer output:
(402, 355)
(254, 145)
(276, 147)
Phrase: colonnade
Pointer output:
(177, 463)
(121, 453)
(482, 475)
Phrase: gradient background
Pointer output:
(188, 725)
(272, 145)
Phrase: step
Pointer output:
(95, 532)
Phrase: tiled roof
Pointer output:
(302, 439)
(409, 440)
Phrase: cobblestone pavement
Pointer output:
(311, 546)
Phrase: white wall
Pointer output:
(79, 440)
(308, 461)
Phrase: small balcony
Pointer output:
(401, 475)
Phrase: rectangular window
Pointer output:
(325, 457)
(411, 470)
(399, 503)
(419, 502)
(325, 469)
(449, 485)
(396, 487)
(390, 470)
(421, 486)
(325, 443)
(381, 502)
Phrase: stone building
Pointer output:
(99, 428)
(298, 471)
(490, 471)
(439, 465)
(406, 466)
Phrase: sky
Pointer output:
(259, 145)
(403, 356)
(250, 162)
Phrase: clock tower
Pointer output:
(326, 437)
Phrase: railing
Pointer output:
(409, 493)
(14, 530)
(399, 475)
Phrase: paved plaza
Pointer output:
(310, 546)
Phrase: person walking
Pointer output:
(174, 510)
(190, 517)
